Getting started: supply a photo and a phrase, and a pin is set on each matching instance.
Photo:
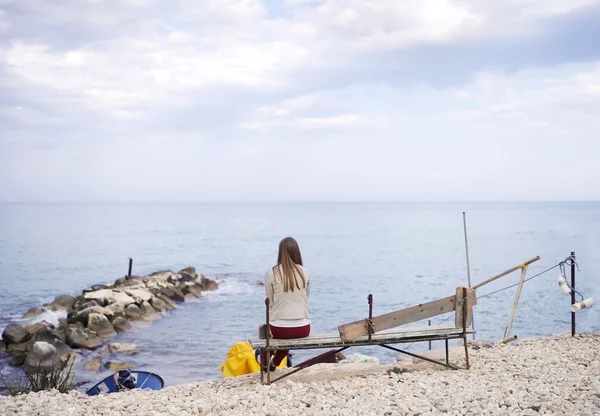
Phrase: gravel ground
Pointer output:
(558, 375)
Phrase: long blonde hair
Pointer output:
(290, 260)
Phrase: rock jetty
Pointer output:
(98, 314)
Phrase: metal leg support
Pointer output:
(420, 357)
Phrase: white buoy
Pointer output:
(564, 286)
(587, 303)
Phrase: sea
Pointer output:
(403, 253)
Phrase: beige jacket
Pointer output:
(287, 305)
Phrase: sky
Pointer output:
(299, 100)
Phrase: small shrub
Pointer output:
(59, 377)
(398, 370)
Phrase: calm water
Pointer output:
(403, 253)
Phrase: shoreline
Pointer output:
(558, 374)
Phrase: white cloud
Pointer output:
(129, 85)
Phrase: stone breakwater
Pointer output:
(97, 315)
(558, 375)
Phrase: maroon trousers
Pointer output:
(286, 333)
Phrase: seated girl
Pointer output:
(287, 285)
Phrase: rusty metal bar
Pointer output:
(464, 325)
(418, 356)
(308, 363)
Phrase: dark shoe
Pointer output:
(258, 353)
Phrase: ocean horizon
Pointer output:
(401, 252)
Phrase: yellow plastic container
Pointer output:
(240, 360)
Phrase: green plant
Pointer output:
(59, 377)
(398, 370)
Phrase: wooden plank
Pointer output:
(415, 313)
(520, 266)
(471, 301)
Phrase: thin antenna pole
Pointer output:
(468, 267)
(467, 249)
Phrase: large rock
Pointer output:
(148, 313)
(47, 334)
(17, 360)
(85, 304)
(101, 325)
(117, 309)
(2, 346)
(83, 315)
(165, 276)
(140, 295)
(208, 284)
(173, 293)
(15, 334)
(121, 324)
(80, 337)
(158, 305)
(33, 328)
(132, 312)
(108, 296)
(168, 302)
(45, 356)
(92, 365)
(193, 289)
(123, 348)
(190, 271)
(117, 366)
(17, 349)
(33, 312)
(63, 303)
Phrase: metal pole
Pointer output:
(370, 323)
(468, 267)
(467, 249)
(516, 303)
(430, 340)
(130, 266)
(572, 292)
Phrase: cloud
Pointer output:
(400, 99)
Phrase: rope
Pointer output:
(568, 261)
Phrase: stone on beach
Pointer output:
(2, 346)
(123, 348)
(80, 337)
(17, 349)
(101, 325)
(533, 378)
(15, 334)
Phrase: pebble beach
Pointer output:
(557, 375)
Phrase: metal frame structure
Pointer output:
(372, 339)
